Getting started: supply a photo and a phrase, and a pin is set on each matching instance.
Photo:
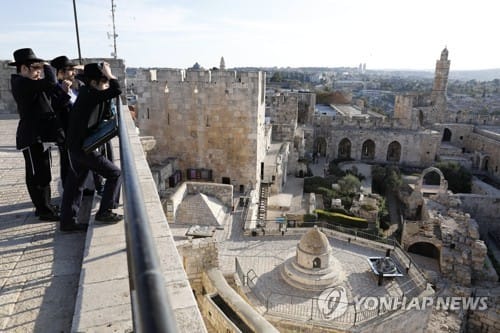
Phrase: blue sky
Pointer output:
(384, 34)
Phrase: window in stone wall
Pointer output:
(368, 150)
(344, 149)
(446, 135)
(394, 152)
(199, 174)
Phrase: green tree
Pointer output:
(349, 184)
(458, 177)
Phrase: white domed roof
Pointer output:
(314, 242)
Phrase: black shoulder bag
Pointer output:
(105, 131)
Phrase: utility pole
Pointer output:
(113, 6)
(77, 34)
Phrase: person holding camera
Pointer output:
(33, 86)
(65, 74)
(93, 103)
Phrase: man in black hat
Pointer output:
(65, 74)
(92, 103)
(38, 126)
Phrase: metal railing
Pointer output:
(151, 307)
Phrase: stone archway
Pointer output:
(394, 152)
(368, 150)
(446, 135)
(320, 146)
(427, 255)
(344, 149)
(425, 249)
(441, 187)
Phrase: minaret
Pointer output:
(222, 64)
(438, 95)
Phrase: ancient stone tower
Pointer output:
(438, 94)
(211, 121)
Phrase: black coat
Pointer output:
(88, 108)
(37, 119)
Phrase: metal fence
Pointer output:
(319, 309)
(325, 310)
(151, 307)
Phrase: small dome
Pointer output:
(314, 242)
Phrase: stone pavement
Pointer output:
(56, 282)
(39, 266)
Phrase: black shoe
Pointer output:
(55, 209)
(108, 217)
(50, 216)
(74, 227)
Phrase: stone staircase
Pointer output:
(263, 197)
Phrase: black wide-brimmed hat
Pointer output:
(93, 71)
(61, 62)
(24, 56)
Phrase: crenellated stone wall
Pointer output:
(206, 119)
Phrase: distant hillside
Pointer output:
(480, 75)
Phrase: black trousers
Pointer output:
(81, 164)
(63, 162)
(38, 177)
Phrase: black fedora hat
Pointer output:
(93, 71)
(61, 62)
(24, 56)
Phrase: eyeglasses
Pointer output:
(35, 66)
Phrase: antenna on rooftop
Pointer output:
(114, 35)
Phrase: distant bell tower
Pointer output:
(438, 95)
(222, 63)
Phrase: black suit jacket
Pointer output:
(88, 108)
(37, 119)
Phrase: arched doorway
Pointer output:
(425, 249)
(394, 152)
(320, 146)
(344, 149)
(368, 150)
(426, 255)
(446, 135)
(317, 263)
(486, 161)
(431, 178)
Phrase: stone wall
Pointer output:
(206, 119)
(487, 145)
(463, 254)
(198, 256)
(283, 110)
(161, 173)
(459, 132)
(485, 209)
(417, 147)
(224, 193)
(488, 320)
